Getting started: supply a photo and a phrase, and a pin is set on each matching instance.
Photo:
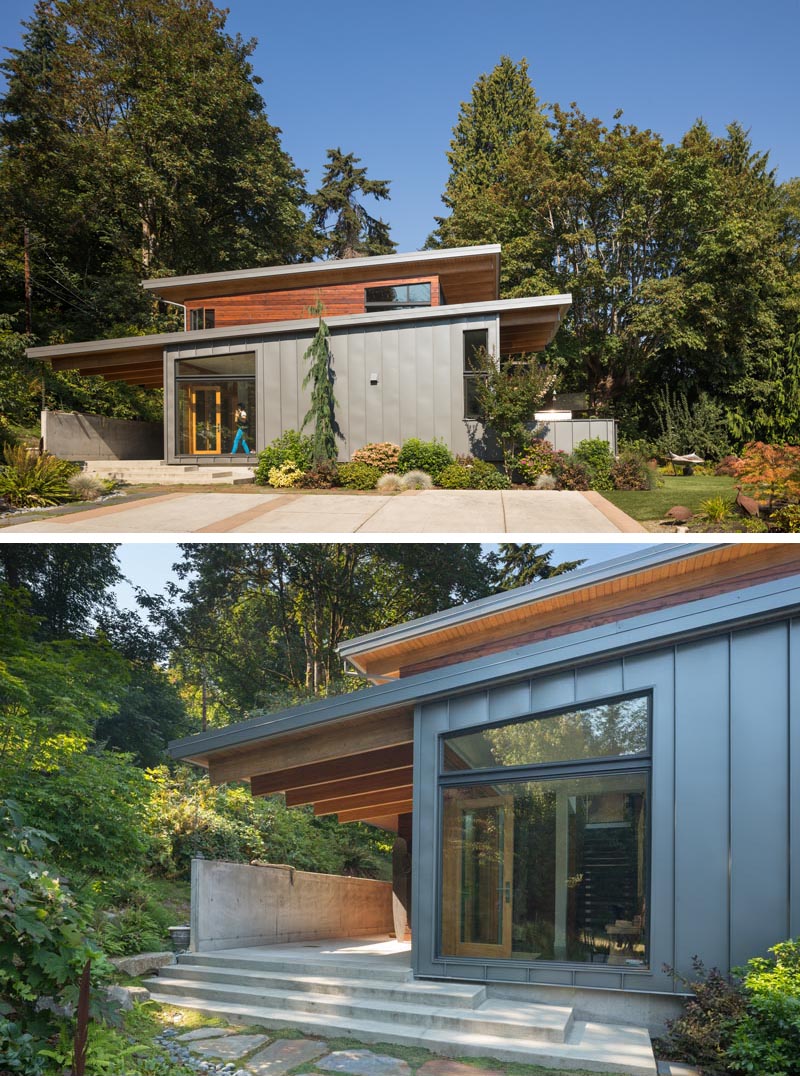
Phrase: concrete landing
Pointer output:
(142, 472)
(365, 990)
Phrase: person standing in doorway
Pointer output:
(240, 419)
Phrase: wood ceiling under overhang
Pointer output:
(466, 276)
(359, 769)
(662, 586)
(137, 364)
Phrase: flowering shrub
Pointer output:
(381, 454)
(288, 474)
(539, 458)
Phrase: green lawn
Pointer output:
(688, 490)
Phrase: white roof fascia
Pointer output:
(379, 261)
(269, 328)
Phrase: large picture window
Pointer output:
(545, 838)
(216, 406)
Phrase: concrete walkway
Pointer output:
(414, 512)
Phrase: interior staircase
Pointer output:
(157, 472)
(375, 1003)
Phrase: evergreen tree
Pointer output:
(518, 565)
(134, 142)
(322, 411)
(352, 232)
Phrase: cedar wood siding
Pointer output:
(293, 303)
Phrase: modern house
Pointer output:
(592, 779)
(404, 330)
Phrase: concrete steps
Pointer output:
(385, 1004)
(136, 472)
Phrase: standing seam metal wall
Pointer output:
(419, 390)
(725, 802)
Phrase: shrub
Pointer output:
(285, 476)
(767, 1039)
(596, 456)
(324, 475)
(508, 394)
(771, 471)
(429, 456)
(632, 471)
(571, 474)
(485, 476)
(382, 454)
(390, 483)
(455, 476)
(700, 427)
(358, 475)
(86, 487)
(786, 519)
(539, 459)
(715, 510)
(30, 481)
(291, 445)
(727, 466)
(702, 1034)
(131, 931)
(417, 480)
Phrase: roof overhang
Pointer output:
(390, 704)
(467, 274)
(139, 359)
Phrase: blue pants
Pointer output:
(240, 439)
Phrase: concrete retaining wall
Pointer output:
(74, 436)
(236, 904)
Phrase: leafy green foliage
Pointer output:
(701, 427)
(323, 475)
(520, 564)
(357, 475)
(353, 232)
(429, 456)
(291, 446)
(786, 519)
(539, 458)
(383, 455)
(596, 456)
(322, 412)
(702, 1034)
(766, 1042)
(631, 470)
(508, 393)
(485, 476)
(455, 476)
(45, 938)
(285, 476)
(32, 481)
(715, 510)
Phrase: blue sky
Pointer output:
(386, 82)
(149, 565)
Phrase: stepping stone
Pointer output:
(445, 1067)
(230, 1048)
(203, 1033)
(364, 1063)
(285, 1054)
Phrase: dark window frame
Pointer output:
(470, 375)
(373, 305)
(180, 379)
(592, 767)
(205, 315)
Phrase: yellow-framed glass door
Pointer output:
(205, 420)
(477, 876)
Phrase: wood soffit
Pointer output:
(725, 568)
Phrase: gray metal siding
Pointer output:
(419, 390)
(725, 800)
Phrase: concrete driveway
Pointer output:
(484, 512)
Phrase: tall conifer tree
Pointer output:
(353, 232)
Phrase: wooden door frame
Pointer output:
(452, 867)
(193, 391)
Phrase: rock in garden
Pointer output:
(285, 1054)
(142, 963)
(126, 996)
(364, 1063)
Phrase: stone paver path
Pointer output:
(201, 1033)
(231, 1048)
(285, 1054)
(364, 1063)
(445, 1067)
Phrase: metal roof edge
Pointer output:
(533, 592)
(314, 267)
(756, 603)
(299, 325)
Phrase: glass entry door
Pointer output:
(205, 420)
(477, 876)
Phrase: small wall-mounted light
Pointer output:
(373, 378)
